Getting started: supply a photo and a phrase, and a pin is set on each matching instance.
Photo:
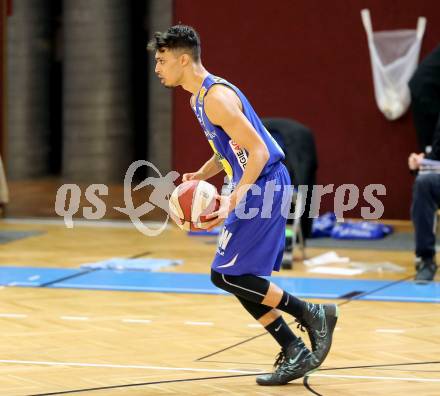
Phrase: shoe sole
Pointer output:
(422, 281)
(427, 280)
(264, 383)
(331, 317)
(285, 383)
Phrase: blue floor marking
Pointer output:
(325, 288)
(32, 276)
(302, 287)
(174, 282)
(201, 283)
(408, 291)
(171, 282)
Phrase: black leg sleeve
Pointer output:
(249, 287)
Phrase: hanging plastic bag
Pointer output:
(394, 56)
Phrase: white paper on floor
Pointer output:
(343, 265)
(384, 266)
(337, 271)
(326, 258)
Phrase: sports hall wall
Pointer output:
(309, 60)
(2, 84)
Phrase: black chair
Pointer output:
(298, 144)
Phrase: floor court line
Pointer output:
(80, 223)
(72, 276)
(236, 344)
(12, 315)
(344, 376)
(360, 297)
(128, 366)
(262, 334)
(394, 331)
(190, 323)
(372, 377)
(387, 366)
(136, 320)
(141, 384)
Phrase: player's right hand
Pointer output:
(192, 176)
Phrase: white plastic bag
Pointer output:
(394, 57)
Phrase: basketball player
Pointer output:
(248, 248)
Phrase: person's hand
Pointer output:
(414, 160)
(221, 214)
(192, 176)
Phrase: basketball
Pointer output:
(191, 202)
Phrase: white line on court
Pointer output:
(377, 378)
(11, 315)
(199, 323)
(75, 364)
(390, 331)
(81, 222)
(67, 284)
(256, 325)
(74, 317)
(402, 298)
(136, 320)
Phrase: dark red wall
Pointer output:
(2, 69)
(309, 60)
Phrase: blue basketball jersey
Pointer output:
(232, 157)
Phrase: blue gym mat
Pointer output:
(173, 282)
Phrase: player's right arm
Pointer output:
(209, 169)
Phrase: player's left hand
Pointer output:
(221, 214)
(414, 160)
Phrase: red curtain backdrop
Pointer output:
(309, 60)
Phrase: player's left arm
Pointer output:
(223, 108)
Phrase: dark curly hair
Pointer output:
(177, 37)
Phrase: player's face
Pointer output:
(169, 68)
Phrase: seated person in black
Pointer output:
(425, 106)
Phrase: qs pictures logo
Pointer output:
(68, 199)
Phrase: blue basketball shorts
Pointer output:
(253, 237)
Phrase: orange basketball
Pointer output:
(191, 202)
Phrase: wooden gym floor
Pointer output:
(66, 341)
